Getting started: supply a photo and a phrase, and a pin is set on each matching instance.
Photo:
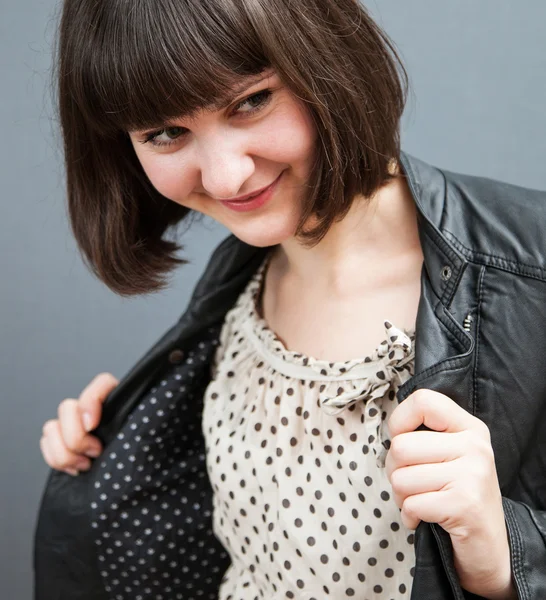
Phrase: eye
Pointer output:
(258, 100)
(171, 133)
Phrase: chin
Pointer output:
(265, 235)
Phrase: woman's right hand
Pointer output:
(66, 444)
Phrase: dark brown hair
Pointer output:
(123, 66)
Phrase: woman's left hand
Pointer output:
(448, 476)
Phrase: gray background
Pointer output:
(479, 89)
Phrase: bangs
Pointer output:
(145, 63)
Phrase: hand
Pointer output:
(448, 476)
(65, 443)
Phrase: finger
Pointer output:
(420, 479)
(420, 447)
(75, 438)
(61, 457)
(408, 520)
(46, 453)
(92, 398)
(434, 410)
(432, 507)
(49, 426)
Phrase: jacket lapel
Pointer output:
(229, 269)
(444, 357)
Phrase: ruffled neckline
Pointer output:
(392, 355)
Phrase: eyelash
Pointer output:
(151, 137)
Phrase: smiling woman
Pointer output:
(259, 449)
(139, 71)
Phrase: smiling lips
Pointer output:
(246, 196)
(251, 202)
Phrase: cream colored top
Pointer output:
(295, 454)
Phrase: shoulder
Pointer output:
(488, 220)
(492, 219)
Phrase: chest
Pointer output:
(339, 326)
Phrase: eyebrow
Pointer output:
(248, 82)
(238, 89)
(224, 102)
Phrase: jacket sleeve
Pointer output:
(527, 536)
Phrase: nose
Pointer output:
(225, 166)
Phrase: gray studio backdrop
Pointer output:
(479, 91)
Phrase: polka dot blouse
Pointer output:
(295, 452)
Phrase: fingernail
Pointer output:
(93, 452)
(87, 422)
(72, 472)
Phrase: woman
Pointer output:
(259, 448)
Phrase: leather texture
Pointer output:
(480, 339)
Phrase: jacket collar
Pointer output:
(443, 262)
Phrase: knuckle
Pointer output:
(105, 377)
(49, 426)
(485, 449)
(396, 481)
(409, 508)
(481, 469)
(396, 449)
(484, 430)
(54, 456)
(54, 463)
(72, 440)
(490, 455)
(421, 397)
(479, 444)
(398, 500)
(66, 461)
(65, 405)
(44, 450)
(468, 438)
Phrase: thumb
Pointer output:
(92, 398)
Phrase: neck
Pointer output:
(377, 236)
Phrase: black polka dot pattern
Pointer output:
(295, 450)
(152, 507)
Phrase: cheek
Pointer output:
(289, 136)
(166, 174)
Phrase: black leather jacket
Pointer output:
(480, 339)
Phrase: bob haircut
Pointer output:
(122, 66)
